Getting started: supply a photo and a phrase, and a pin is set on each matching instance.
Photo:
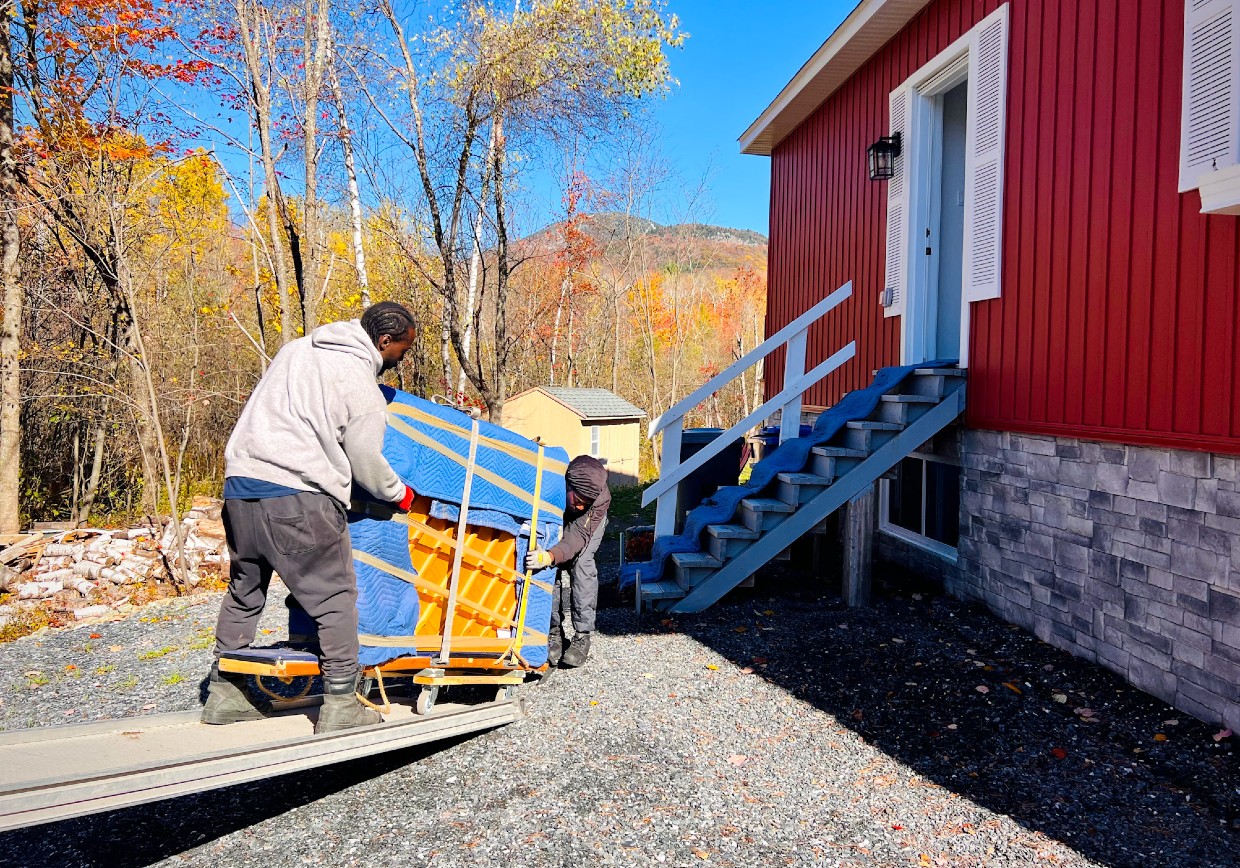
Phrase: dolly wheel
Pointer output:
(506, 692)
(426, 700)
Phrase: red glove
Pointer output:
(407, 501)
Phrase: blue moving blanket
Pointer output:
(428, 445)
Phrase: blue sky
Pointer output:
(739, 55)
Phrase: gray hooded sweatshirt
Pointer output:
(316, 419)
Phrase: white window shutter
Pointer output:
(1210, 124)
(985, 140)
(895, 281)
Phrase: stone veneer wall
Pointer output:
(1119, 554)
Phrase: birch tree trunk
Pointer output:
(615, 344)
(350, 169)
(555, 329)
(260, 99)
(315, 42)
(92, 482)
(10, 328)
(475, 259)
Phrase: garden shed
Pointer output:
(594, 422)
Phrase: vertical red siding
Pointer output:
(1119, 317)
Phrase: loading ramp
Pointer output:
(59, 772)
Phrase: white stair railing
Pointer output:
(796, 381)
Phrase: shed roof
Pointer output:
(592, 403)
(867, 29)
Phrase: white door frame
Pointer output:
(924, 167)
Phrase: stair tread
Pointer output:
(731, 531)
(661, 590)
(768, 504)
(696, 559)
(867, 425)
(840, 452)
(939, 372)
(910, 399)
(802, 478)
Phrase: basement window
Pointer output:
(921, 504)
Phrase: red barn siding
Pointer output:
(1119, 317)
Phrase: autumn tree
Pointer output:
(466, 90)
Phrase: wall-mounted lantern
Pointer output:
(882, 155)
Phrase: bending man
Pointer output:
(585, 519)
(313, 426)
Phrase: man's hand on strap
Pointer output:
(538, 560)
(407, 501)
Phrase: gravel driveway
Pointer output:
(780, 730)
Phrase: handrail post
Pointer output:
(665, 512)
(794, 367)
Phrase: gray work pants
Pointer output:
(305, 538)
(582, 590)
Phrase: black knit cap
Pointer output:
(587, 476)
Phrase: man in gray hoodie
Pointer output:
(313, 426)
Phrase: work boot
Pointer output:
(341, 707)
(555, 646)
(228, 701)
(578, 651)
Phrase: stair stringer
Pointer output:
(844, 489)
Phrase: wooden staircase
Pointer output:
(765, 524)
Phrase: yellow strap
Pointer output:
(498, 445)
(493, 478)
(429, 587)
(412, 641)
(529, 574)
(458, 551)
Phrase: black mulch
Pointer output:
(1063, 746)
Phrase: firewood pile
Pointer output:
(74, 575)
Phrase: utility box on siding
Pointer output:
(593, 422)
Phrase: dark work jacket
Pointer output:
(579, 527)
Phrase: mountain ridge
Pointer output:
(606, 227)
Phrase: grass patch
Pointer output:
(174, 678)
(36, 680)
(104, 670)
(157, 653)
(626, 501)
(129, 683)
(202, 643)
(24, 623)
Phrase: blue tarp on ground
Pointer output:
(418, 436)
(790, 457)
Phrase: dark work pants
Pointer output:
(582, 591)
(305, 538)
